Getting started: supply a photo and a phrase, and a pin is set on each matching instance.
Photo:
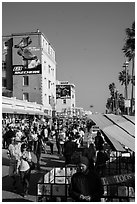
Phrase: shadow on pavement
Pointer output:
(5, 161)
(34, 178)
(52, 162)
(47, 162)
(16, 200)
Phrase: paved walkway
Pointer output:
(47, 162)
(8, 195)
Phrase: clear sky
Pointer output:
(87, 37)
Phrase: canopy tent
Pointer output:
(116, 144)
(100, 120)
(121, 136)
(130, 118)
(114, 133)
(123, 123)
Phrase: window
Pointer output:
(49, 84)
(25, 96)
(72, 96)
(49, 69)
(53, 72)
(4, 82)
(49, 48)
(49, 99)
(3, 65)
(64, 101)
(25, 80)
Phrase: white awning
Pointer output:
(113, 132)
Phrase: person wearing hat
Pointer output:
(85, 184)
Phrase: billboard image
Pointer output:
(63, 91)
(26, 55)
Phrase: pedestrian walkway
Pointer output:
(47, 162)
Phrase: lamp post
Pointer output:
(116, 102)
(125, 65)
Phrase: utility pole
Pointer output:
(126, 90)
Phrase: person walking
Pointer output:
(99, 142)
(14, 152)
(85, 184)
(90, 153)
(39, 150)
(9, 134)
(82, 134)
(69, 148)
(24, 169)
(62, 138)
(44, 134)
(57, 141)
(100, 165)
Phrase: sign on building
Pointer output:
(63, 91)
(26, 55)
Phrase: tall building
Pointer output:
(32, 67)
(65, 96)
(7, 80)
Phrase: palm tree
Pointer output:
(124, 78)
(112, 88)
(129, 51)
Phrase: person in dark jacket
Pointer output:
(39, 150)
(90, 153)
(85, 185)
(9, 135)
(99, 142)
(102, 158)
(69, 148)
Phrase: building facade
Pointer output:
(32, 68)
(65, 98)
(7, 78)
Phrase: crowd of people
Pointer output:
(22, 139)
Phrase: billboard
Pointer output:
(26, 55)
(63, 91)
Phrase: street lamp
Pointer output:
(125, 65)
